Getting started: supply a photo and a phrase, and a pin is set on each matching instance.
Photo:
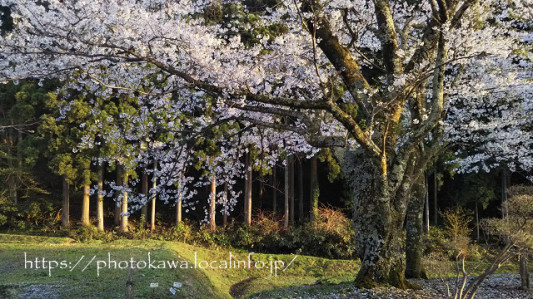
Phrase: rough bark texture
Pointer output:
(100, 199)
(414, 230)
(65, 222)
(315, 189)
(378, 219)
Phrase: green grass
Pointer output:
(72, 282)
(305, 276)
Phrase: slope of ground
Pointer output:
(101, 270)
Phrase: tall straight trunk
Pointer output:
(524, 272)
(248, 189)
(213, 205)
(178, 209)
(85, 209)
(14, 189)
(379, 214)
(100, 198)
(300, 192)
(291, 190)
(505, 214)
(65, 214)
(144, 190)
(274, 191)
(477, 220)
(426, 195)
(11, 181)
(286, 194)
(261, 192)
(124, 206)
(154, 197)
(117, 203)
(315, 189)
(414, 228)
(435, 199)
(225, 213)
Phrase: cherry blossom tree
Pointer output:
(371, 79)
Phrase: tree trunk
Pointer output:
(261, 192)
(315, 189)
(274, 191)
(178, 209)
(300, 192)
(524, 272)
(414, 223)
(248, 190)
(477, 220)
(426, 195)
(213, 205)
(65, 222)
(435, 199)
(117, 203)
(505, 214)
(85, 210)
(100, 198)
(144, 190)
(225, 211)
(291, 190)
(14, 190)
(379, 214)
(154, 197)
(286, 184)
(11, 181)
(124, 210)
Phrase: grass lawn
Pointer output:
(273, 276)
(215, 281)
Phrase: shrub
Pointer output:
(331, 235)
(90, 233)
(28, 215)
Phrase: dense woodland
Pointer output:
(368, 130)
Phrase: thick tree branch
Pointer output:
(460, 12)
(351, 125)
(337, 54)
(388, 37)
